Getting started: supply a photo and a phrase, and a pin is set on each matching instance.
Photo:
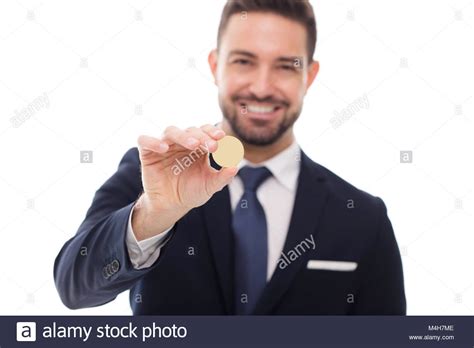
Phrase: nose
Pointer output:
(262, 84)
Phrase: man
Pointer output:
(279, 234)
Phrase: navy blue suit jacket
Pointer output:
(93, 267)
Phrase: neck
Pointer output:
(256, 153)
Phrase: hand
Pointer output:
(176, 175)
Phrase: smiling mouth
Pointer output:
(260, 111)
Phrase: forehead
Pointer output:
(264, 34)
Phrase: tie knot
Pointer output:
(252, 177)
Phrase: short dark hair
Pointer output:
(298, 10)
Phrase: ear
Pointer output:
(313, 70)
(212, 60)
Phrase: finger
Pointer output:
(213, 131)
(203, 137)
(149, 143)
(174, 135)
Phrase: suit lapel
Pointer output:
(217, 217)
(311, 195)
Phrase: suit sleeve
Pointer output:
(93, 267)
(381, 289)
(144, 253)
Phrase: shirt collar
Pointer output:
(284, 166)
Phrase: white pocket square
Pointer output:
(344, 266)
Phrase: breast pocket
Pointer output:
(331, 265)
(322, 287)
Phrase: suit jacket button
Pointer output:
(109, 269)
(115, 266)
(105, 273)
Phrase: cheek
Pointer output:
(231, 84)
(223, 87)
(294, 91)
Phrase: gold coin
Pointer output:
(229, 153)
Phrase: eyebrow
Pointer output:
(242, 53)
(285, 59)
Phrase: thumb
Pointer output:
(219, 179)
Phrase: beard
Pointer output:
(260, 132)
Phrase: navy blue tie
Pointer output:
(250, 241)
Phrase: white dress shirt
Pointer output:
(276, 195)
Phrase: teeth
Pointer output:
(260, 109)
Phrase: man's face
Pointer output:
(262, 73)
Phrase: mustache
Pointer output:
(253, 98)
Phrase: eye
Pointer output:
(242, 61)
(287, 67)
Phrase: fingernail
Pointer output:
(217, 133)
(192, 142)
(210, 143)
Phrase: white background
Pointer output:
(112, 70)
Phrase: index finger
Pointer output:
(149, 143)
